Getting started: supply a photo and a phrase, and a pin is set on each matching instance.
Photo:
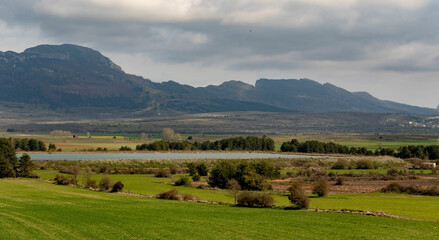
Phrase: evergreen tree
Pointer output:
(8, 160)
(24, 166)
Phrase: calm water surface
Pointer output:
(155, 156)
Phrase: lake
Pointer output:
(158, 156)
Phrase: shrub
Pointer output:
(106, 184)
(73, 170)
(332, 174)
(117, 187)
(393, 187)
(298, 197)
(341, 164)
(365, 164)
(66, 170)
(254, 181)
(397, 188)
(320, 188)
(170, 195)
(173, 169)
(52, 147)
(182, 181)
(192, 168)
(202, 169)
(104, 169)
(392, 171)
(196, 178)
(252, 199)
(90, 183)
(62, 180)
(33, 175)
(125, 148)
(339, 181)
(162, 173)
(188, 197)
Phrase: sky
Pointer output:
(389, 48)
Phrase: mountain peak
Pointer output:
(234, 83)
(70, 52)
(69, 76)
(263, 82)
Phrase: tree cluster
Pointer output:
(250, 176)
(197, 169)
(422, 152)
(166, 146)
(10, 165)
(314, 146)
(32, 144)
(250, 143)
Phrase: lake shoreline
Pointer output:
(164, 155)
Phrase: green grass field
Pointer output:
(147, 184)
(410, 206)
(32, 209)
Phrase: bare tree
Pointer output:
(75, 171)
(144, 136)
(60, 133)
(233, 185)
(168, 134)
(177, 137)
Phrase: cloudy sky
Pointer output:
(389, 48)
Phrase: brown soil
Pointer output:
(359, 185)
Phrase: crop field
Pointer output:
(113, 141)
(32, 209)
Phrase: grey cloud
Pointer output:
(245, 36)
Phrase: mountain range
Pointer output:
(75, 78)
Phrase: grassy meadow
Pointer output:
(39, 209)
(409, 206)
(31, 209)
(147, 184)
